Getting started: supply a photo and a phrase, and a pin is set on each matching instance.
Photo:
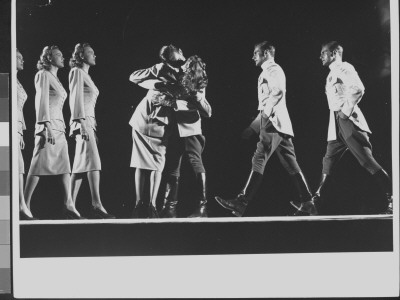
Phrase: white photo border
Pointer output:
(211, 276)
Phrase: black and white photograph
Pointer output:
(239, 148)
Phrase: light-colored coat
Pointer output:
(344, 91)
(188, 114)
(272, 96)
(21, 99)
(148, 118)
(82, 99)
(49, 101)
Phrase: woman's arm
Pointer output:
(146, 78)
(76, 100)
(42, 107)
(201, 103)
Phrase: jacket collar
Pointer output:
(335, 65)
(267, 63)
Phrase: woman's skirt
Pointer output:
(50, 159)
(21, 165)
(87, 156)
(148, 152)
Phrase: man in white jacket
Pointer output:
(348, 129)
(275, 136)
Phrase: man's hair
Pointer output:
(76, 59)
(334, 46)
(45, 58)
(166, 52)
(267, 46)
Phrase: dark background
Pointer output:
(127, 35)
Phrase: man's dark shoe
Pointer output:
(200, 211)
(385, 182)
(169, 210)
(237, 206)
(389, 209)
(305, 209)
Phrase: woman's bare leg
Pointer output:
(76, 181)
(94, 183)
(22, 204)
(67, 199)
(155, 180)
(31, 183)
(139, 185)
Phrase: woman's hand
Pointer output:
(50, 137)
(47, 136)
(198, 96)
(195, 97)
(84, 132)
(162, 99)
(21, 142)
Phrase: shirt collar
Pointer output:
(335, 65)
(267, 63)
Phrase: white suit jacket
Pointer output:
(344, 91)
(82, 99)
(272, 96)
(49, 101)
(149, 118)
(21, 99)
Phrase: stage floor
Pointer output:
(211, 220)
(209, 236)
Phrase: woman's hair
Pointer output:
(76, 59)
(195, 77)
(45, 58)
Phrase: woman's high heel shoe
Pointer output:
(152, 212)
(70, 215)
(24, 217)
(96, 213)
(140, 211)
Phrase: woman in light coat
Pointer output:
(82, 100)
(50, 155)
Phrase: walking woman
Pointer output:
(82, 101)
(24, 212)
(50, 155)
